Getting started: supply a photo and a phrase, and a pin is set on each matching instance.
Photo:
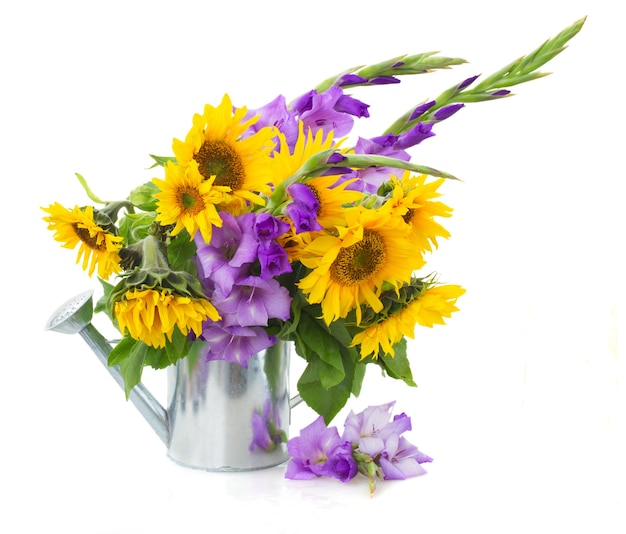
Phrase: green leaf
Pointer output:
(316, 341)
(142, 196)
(131, 367)
(398, 366)
(325, 401)
(156, 358)
(121, 350)
(180, 250)
(357, 381)
(101, 304)
(177, 348)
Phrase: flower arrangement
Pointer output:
(267, 224)
(371, 444)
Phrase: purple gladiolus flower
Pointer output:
(401, 459)
(385, 145)
(447, 111)
(319, 451)
(317, 111)
(232, 248)
(303, 208)
(273, 259)
(415, 135)
(303, 196)
(275, 113)
(252, 302)
(501, 92)
(381, 439)
(303, 218)
(267, 226)
(235, 344)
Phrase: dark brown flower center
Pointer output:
(92, 242)
(191, 201)
(408, 216)
(358, 262)
(220, 159)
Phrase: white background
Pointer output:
(521, 399)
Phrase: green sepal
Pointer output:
(160, 161)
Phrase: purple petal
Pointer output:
(415, 135)
(351, 79)
(466, 83)
(447, 111)
(267, 226)
(420, 110)
(347, 104)
(273, 259)
(235, 344)
(384, 80)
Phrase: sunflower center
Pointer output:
(190, 200)
(408, 216)
(356, 263)
(220, 159)
(92, 242)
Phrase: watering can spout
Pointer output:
(75, 316)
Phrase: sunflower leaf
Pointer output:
(326, 401)
(398, 366)
(132, 366)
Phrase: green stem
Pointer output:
(519, 71)
(88, 190)
(152, 255)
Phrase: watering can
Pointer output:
(220, 415)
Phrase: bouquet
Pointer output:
(266, 224)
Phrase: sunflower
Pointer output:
(216, 143)
(332, 197)
(286, 163)
(188, 200)
(151, 315)
(413, 197)
(350, 268)
(97, 246)
(430, 308)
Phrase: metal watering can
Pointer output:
(220, 416)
